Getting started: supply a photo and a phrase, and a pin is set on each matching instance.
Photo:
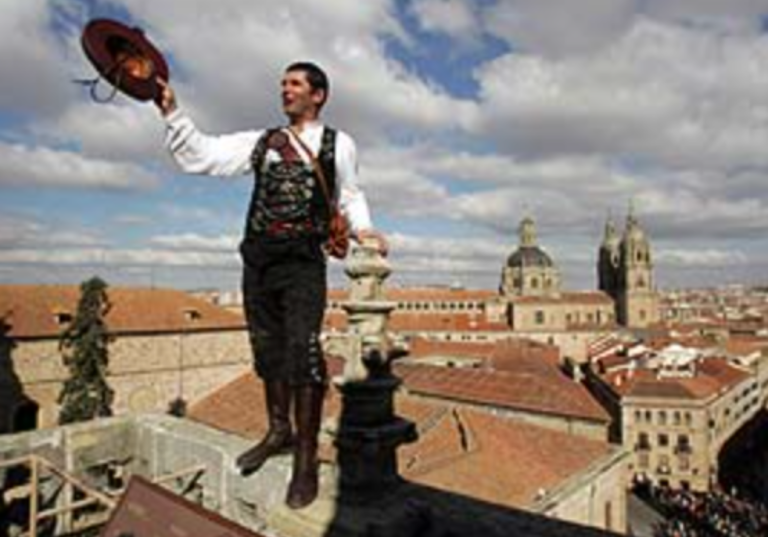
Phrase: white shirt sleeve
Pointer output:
(199, 153)
(352, 202)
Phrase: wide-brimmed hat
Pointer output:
(125, 57)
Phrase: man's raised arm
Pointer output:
(199, 153)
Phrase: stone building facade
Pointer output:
(679, 406)
(166, 347)
(625, 272)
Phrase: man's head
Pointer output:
(304, 90)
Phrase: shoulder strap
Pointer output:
(327, 157)
(319, 169)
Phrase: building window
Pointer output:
(662, 417)
(648, 416)
(63, 317)
(192, 315)
(683, 444)
(664, 464)
(663, 440)
(539, 317)
(643, 442)
(676, 417)
(608, 516)
(534, 283)
(688, 418)
(638, 416)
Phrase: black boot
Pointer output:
(303, 488)
(279, 437)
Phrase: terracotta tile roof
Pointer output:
(423, 294)
(446, 321)
(524, 391)
(745, 345)
(460, 450)
(525, 356)
(511, 354)
(31, 310)
(500, 461)
(424, 322)
(421, 348)
(712, 375)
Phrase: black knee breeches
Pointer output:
(284, 296)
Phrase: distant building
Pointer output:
(677, 406)
(167, 347)
(625, 272)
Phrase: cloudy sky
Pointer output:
(469, 114)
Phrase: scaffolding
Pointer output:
(77, 505)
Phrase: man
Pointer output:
(284, 266)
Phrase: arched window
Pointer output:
(534, 283)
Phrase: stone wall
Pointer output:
(155, 446)
(146, 372)
(596, 497)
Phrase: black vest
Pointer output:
(287, 200)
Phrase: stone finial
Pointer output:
(368, 347)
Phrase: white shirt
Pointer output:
(230, 155)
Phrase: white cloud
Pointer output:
(551, 28)
(456, 18)
(718, 15)
(670, 95)
(115, 131)
(229, 68)
(21, 165)
(196, 242)
(702, 258)
(118, 257)
(25, 232)
(35, 80)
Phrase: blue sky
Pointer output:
(468, 116)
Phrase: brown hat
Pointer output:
(124, 57)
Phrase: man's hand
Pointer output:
(372, 235)
(166, 101)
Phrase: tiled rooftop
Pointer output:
(496, 460)
(31, 310)
(413, 294)
(459, 450)
(401, 321)
(712, 375)
(530, 392)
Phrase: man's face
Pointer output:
(299, 99)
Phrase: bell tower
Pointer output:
(608, 260)
(637, 304)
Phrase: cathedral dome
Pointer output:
(529, 256)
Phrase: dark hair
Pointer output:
(315, 76)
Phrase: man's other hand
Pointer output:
(166, 101)
(372, 235)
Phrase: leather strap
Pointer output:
(330, 202)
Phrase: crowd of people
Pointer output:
(711, 514)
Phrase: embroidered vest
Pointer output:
(287, 200)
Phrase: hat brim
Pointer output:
(125, 57)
